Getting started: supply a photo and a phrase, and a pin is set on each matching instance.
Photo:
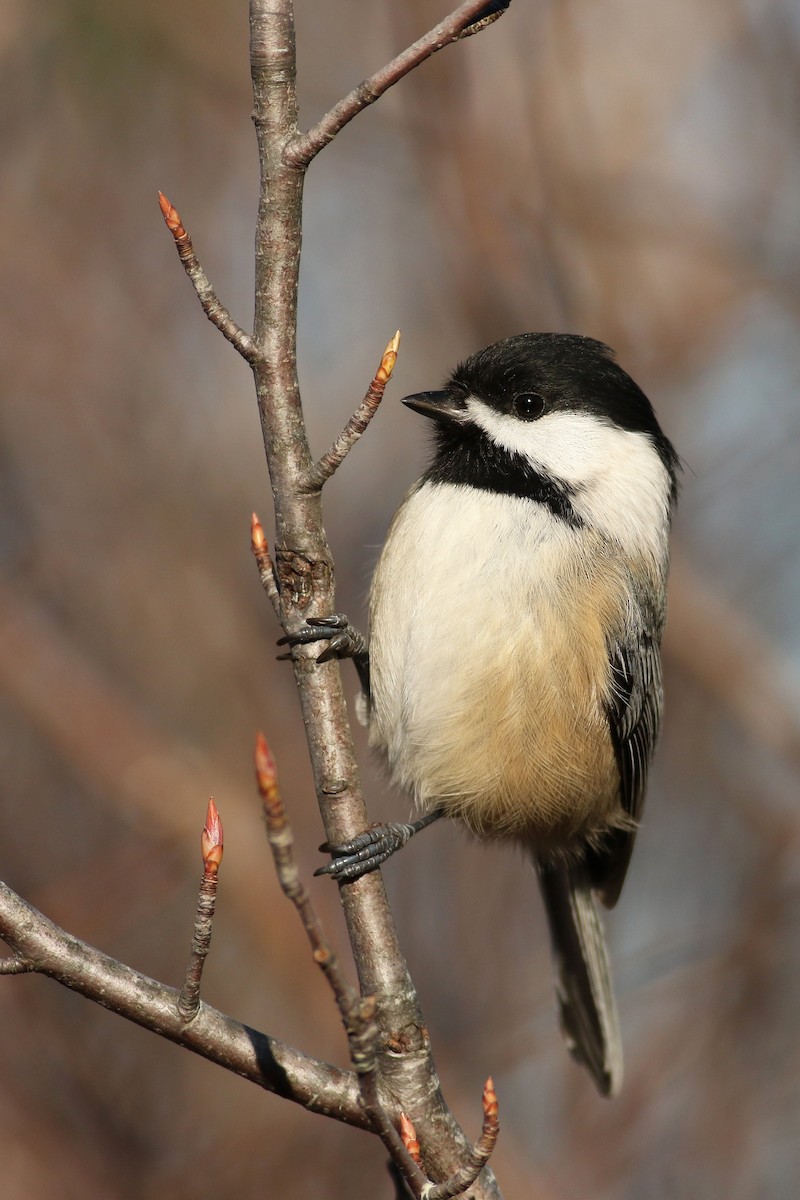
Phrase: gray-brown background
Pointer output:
(622, 170)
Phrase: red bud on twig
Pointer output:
(384, 371)
(172, 218)
(409, 1135)
(211, 842)
(267, 780)
(491, 1119)
(258, 539)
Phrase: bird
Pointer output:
(512, 672)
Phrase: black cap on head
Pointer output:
(529, 376)
(566, 372)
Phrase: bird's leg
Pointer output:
(343, 642)
(368, 850)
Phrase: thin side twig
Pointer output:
(281, 843)
(401, 1189)
(266, 568)
(467, 19)
(465, 1176)
(213, 308)
(357, 1013)
(333, 458)
(211, 845)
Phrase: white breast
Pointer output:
(489, 666)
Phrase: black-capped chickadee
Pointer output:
(513, 674)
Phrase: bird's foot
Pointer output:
(368, 850)
(343, 640)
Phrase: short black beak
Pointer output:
(439, 406)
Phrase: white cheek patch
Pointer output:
(620, 484)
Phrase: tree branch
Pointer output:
(302, 557)
(281, 843)
(305, 578)
(389, 1042)
(45, 948)
(215, 311)
(14, 965)
(467, 19)
(211, 847)
(466, 1175)
(333, 458)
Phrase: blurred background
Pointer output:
(626, 171)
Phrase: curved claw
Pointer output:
(339, 647)
(319, 629)
(302, 637)
(335, 621)
(368, 838)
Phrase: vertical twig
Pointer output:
(211, 848)
(302, 556)
(305, 578)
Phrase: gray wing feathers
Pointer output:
(585, 995)
(583, 985)
(634, 715)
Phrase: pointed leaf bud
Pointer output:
(211, 843)
(172, 217)
(384, 371)
(409, 1135)
(267, 780)
(258, 539)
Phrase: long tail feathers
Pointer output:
(583, 978)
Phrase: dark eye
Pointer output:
(527, 406)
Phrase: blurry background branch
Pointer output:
(625, 173)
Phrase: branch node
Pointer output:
(215, 311)
(333, 458)
(365, 1062)
(15, 964)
